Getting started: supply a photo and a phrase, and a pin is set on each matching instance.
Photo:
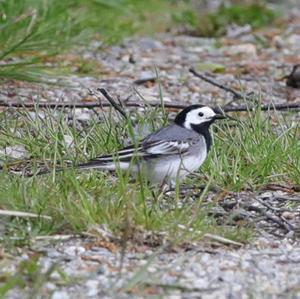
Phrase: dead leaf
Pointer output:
(278, 187)
(112, 247)
(93, 258)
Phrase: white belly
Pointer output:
(173, 168)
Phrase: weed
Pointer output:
(244, 156)
(29, 273)
(215, 24)
(32, 31)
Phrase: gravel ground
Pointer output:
(252, 62)
(267, 268)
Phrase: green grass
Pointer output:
(262, 148)
(76, 201)
(246, 156)
(31, 31)
(32, 277)
(214, 24)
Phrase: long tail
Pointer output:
(105, 162)
(93, 164)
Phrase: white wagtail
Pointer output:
(169, 153)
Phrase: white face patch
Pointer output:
(198, 116)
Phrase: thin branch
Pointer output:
(236, 94)
(113, 103)
(271, 217)
(277, 212)
(172, 105)
(180, 287)
(223, 240)
(23, 214)
(145, 80)
(88, 105)
(265, 107)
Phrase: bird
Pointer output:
(168, 154)
(293, 79)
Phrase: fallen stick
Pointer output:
(180, 287)
(113, 103)
(88, 105)
(22, 214)
(236, 94)
(265, 107)
(222, 240)
(277, 212)
(272, 218)
(176, 106)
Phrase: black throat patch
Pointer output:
(203, 129)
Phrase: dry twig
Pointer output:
(236, 94)
(23, 214)
(113, 103)
(278, 212)
(170, 105)
(271, 217)
(223, 240)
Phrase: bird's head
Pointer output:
(197, 116)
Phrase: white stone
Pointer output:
(243, 49)
(293, 41)
(15, 151)
(92, 286)
(60, 295)
(74, 250)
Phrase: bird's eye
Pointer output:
(201, 114)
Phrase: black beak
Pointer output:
(219, 116)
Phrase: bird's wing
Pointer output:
(146, 150)
(166, 147)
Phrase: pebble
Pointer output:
(92, 286)
(68, 139)
(49, 286)
(74, 250)
(60, 295)
(293, 41)
(15, 151)
(243, 49)
(149, 44)
(235, 31)
(288, 215)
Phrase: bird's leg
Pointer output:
(162, 190)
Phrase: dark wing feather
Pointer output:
(145, 151)
(170, 147)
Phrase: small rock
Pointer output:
(293, 41)
(52, 253)
(55, 275)
(151, 269)
(92, 286)
(50, 286)
(69, 141)
(16, 151)
(149, 44)
(74, 250)
(145, 77)
(243, 49)
(288, 215)
(278, 41)
(235, 31)
(82, 114)
(60, 295)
